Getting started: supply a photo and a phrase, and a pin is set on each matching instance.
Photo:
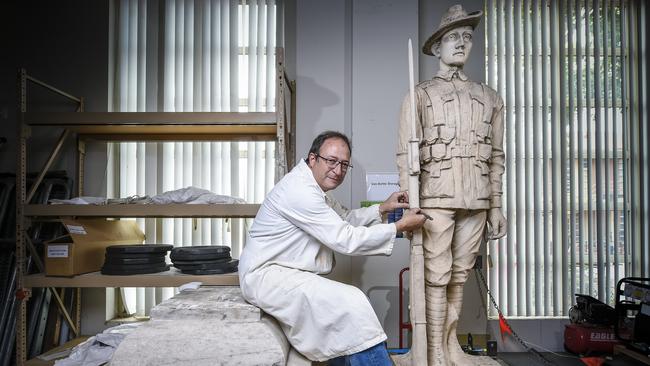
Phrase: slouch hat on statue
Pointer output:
(455, 16)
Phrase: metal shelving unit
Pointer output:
(174, 126)
(146, 126)
(171, 278)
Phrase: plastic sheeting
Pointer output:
(99, 349)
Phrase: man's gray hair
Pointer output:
(320, 139)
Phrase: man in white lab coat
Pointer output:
(291, 243)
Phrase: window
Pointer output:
(569, 73)
(191, 56)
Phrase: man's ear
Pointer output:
(310, 160)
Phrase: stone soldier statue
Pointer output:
(460, 126)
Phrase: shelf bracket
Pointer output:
(48, 163)
(35, 256)
(64, 311)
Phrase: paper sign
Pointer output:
(380, 185)
(57, 251)
(76, 229)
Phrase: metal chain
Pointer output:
(530, 350)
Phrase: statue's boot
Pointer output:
(436, 318)
(402, 360)
(457, 357)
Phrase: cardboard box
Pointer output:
(82, 249)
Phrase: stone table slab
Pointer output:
(191, 342)
(222, 303)
(207, 326)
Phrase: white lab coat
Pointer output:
(289, 243)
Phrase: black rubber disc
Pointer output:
(232, 267)
(206, 252)
(132, 261)
(128, 267)
(209, 261)
(112, 271)
(134, 255)
(139, 248)
(202, 266)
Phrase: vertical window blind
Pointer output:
(571, 74)
(191, 56)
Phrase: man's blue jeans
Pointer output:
(373, 356)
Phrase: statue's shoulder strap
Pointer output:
(480, 88)
(425, 84)
(486, 89)
(437, 89)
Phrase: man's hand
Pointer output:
(396, 200)
(498, 224)
(411, 220)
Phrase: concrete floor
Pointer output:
(561, 359)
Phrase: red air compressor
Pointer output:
(592, 327)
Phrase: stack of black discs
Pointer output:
(135, 259)
(204, 260)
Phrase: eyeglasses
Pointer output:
(333, 163)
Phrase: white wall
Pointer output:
(323, 69)
(381, 30)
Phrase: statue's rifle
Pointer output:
(416, 281)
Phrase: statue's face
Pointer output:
(454, 46)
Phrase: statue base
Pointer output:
(405, 360)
